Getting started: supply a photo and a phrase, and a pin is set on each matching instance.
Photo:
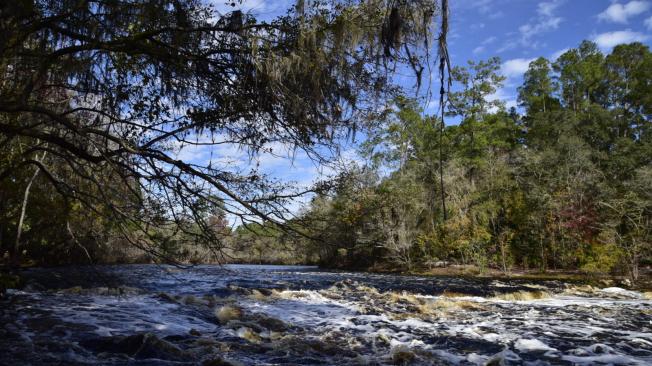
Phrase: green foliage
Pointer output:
(565, 186)
(537, 92)
(601, 259)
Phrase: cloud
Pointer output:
(489, 40)
(548, 8)
(557, 54)
(496, 15)
(193, 153)
(648, 23)
(487, 8)
(620, 13)
(504, 95)
(483, 6)
(515, 67)
(481, 48)
(609, 40)
(545, 20)
(543, 25)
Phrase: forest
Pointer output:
(101, 99)
(561, 183)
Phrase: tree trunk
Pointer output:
(543, 254)
(503, 254)
(633, 267)
(441, 166)
(21, 219)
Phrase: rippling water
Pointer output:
(269, 315)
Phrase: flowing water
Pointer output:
(271, 315)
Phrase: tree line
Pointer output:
(563, 182)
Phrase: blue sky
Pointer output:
(519, 30)
(515, 30)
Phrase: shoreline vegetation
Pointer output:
(557, 181)
(10, 278)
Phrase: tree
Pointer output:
(536, 93)
(478, 82)
(522, 189)
(629, 221)
(580, 75)
(118, 88)
(472, 103)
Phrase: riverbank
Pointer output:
(12, 279)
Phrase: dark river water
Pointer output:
(273, 315)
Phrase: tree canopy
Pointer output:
(97, 96)
(563, 183)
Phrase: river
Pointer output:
(273, 315)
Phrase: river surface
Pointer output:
(274, 315)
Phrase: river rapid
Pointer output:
(275, 315)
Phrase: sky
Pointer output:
(517, 31)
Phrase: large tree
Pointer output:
(536, 94)
(109, 90)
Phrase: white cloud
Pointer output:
(487, 8)
(489, 40)
(496, 15)
(193, 153)
(620, 13)
(548, 8)
(556, 55)
(544, 21)
(481, 48)
(648, 23)
(515, 67)
(502, 94)
(610, 39)
(543, 25)
(483, 6)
